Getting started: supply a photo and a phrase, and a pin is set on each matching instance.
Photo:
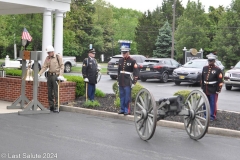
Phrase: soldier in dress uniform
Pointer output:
(127, 76)
(90, 73)
(54, 63)
(212, 81)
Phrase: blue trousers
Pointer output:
(91, 91)
(125, 98)
(213, 98)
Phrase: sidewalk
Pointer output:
(4, 110)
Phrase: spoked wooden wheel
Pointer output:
(145, 114)
(196, 124)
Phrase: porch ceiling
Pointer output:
(32, 6)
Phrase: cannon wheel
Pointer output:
(196, 124)
(145, 114)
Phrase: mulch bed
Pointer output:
(227, 120)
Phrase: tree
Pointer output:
(215, 15)
(228, 36)
(164, 42)
(125, 22)
(103, 28)
(167, 10)
(145, 34)
(191, 30)
(5, 40)
(78, 26)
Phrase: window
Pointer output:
(115, 59)
(175, 63)
(168, 62)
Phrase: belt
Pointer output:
(125, 72)
(212, 82)
(52, 74)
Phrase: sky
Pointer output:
(144, 5)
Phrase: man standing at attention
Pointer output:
(127, 75)
(212, 81)
(90, 72)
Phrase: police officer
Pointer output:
(127, 76)
(90, 72)
(212, 81)
(54, 63)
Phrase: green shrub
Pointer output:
(135, 90)
(117, 102)
(115, 87)
(99, 93)
(13, 72)
(80, 84)
(134, 93)
(183, 93)
(91, 104)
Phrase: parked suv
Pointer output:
(232, 77)
(113, 64)
(158, 68)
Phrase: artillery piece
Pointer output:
(195, 111)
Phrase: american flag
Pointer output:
(26, 35)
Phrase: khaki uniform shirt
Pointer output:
(54, 63)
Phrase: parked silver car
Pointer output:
(192, 71)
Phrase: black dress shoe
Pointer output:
(55, 109)
(125, 114)
(51, 108)
(120, 112)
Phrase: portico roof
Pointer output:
(32, 6)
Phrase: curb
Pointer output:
(163, 123)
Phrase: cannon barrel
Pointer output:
(174, 99)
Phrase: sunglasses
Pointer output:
(124, 52)
(210, 60)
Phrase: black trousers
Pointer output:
(52, 90)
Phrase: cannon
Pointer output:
(195, 112)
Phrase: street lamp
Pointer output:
(173, 29)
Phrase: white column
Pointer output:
(58, 36)
(47, 32)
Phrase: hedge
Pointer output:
(134, 92)
(183, 93)
(80, 84)
(13, 72)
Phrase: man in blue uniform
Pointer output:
(89, 72)
(212, 81)
(127, 76)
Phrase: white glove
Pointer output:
(39, 75)
(132, 85)
(60, 78)
(99, 68)
(86, 80)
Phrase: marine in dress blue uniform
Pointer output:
(127, 76)
(212, 81)
(89, 72)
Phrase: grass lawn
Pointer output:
(79, 69)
